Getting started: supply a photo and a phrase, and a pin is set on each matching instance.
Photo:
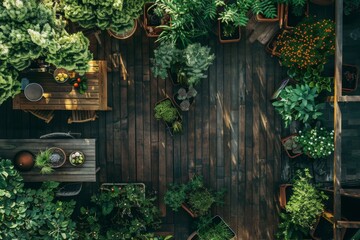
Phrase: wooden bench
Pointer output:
(66, 173)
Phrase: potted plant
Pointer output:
(317, 142)
(49, 159)
(312, 76)
(119, 212)
(291, 145)
(184, 98)
(304, 206)
(28, 213)
(298, 103)
(272, 14)
(168, 113)
(193, 197)
(294, 12)
(189, 21)
(190, 63)
(24, 160)
(153, 18)
(316, 37)
(350, 75)
(118, 17)
(215, 228)
(285, 192)
(228, 33)
(272, 46)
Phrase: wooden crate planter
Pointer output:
(350, 77)
(214, 221)
(169, 126)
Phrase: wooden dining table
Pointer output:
(64, 96)
(67, 172)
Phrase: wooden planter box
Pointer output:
(290, 21)
(187, 208)
(214, 221)
(289, 152)
(279, 17)
(224, 39)
(350, 76)
(284, 194)
(271, 46)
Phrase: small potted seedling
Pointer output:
(184, 98)
(77, 158)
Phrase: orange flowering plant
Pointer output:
(309, 44)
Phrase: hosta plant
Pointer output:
(298, 103)
(309, 44)
(317, 142)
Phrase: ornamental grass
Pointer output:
(309, 44)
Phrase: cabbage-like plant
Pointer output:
(116, 15)
(9, 85)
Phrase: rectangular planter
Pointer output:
(228, 40)
(168, 126)
(214, 221)
(290, 20)
(279, 17)
(289, 152)
(323, 228)
(151, 29)
(350, 77)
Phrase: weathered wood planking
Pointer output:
(231, 111)
(67, 172)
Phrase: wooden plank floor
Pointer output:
(231, 134)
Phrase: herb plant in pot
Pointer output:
(193, 197)
(49, 159)
(168, 113)
(153, 18)
(350, 75)
(298, 103)
(304, 206)
(292, 147)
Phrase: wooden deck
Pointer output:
(231, 134)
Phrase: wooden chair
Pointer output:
(46, 115)
(82, 116)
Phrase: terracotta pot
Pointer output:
(151, 22)
(288, 16)
(124, 35)
(188, 210)
(279, 17)
(284, 194)
(289, 152)
(24, 160)
(222, 39)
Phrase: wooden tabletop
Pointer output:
(67, 172)
(63, 96)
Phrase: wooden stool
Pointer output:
(82, 116)
(46, 115)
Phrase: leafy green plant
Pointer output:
(190, 19)
(287, 230)
(119, 213)
(166, 111)
(298, 5)
(195, 194)
(192, 62)
(312, 77)
(42, 161)
(291, 144)
(27, 213)
(298, 103)
(309, 44)
(116, 15)
(214, 229)
(177, 127)
(80, 84)
(306, 202)
(317, 142)
(9, 85)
